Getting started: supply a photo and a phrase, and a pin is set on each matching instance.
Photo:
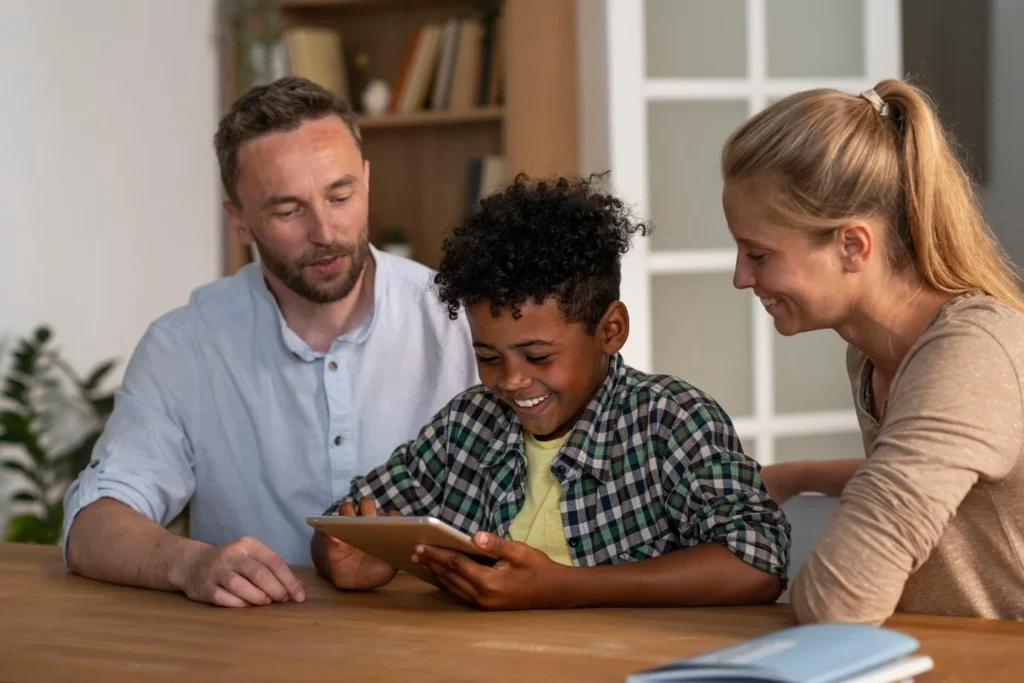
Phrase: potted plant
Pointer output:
(50, 419)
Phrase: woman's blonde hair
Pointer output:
(819, 158)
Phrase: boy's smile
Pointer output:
(545, 368)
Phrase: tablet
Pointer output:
(392, 539)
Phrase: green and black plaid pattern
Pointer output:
(653, 465)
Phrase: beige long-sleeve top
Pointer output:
(933, 521)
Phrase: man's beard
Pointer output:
(292, 274)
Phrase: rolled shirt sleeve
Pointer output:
(716, 494)
(144, 458)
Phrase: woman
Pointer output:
(853, 213)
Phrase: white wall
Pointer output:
(109, 196)
(1001, 194)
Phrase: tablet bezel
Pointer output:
(392, 539)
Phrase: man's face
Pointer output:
(303, 201)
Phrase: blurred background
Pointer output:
(110, 208)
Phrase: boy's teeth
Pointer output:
(767, 301)
(531, 402)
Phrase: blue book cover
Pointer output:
(815, 653)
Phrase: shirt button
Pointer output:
(574, 541)
(338, 440)
(560, 470)
(332, 366)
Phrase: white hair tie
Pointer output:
(876, 101)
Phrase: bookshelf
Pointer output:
(420, 160)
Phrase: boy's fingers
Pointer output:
(498, 547)
(367, 507)
(453, 562)
(347, 510)
(459, 586)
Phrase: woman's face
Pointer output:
(802, 284)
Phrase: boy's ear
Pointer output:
(613, 329)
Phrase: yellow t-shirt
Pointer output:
(539, 522)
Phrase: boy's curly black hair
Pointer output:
(537, 239)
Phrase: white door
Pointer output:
(681, 75)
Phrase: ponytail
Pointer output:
(951, 245)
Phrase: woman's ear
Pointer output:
(613, 328)
(856, 244)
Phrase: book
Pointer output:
(461, 95)
(445, 65)
(403, 73)
(318, 54)
(421, 72)
(815, 653)
(484, 176)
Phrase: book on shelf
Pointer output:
(462, 87)
(451, 66)
(815, 653)
(318, 54)
(445, 65)
(484, 176)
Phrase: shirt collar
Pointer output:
(589, 442)
(293, 342)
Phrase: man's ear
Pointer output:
(856, 243)
(236, 223)
(613, 328)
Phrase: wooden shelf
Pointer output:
(433, 118)
(343, 4)
(421, 160)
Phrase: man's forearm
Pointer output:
(708, 574)
(109, 541)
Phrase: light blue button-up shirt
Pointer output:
(225, 408)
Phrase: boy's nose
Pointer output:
(511, 381)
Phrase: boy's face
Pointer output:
(545, 368)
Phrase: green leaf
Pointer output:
(97, 375)
(25, 360)
(16, 391)
(43, 334)
(25, 529)
(20, 468)
(17, 429)
(25, 497)
(104, 405)
(14, 427)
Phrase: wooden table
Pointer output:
(58, 627)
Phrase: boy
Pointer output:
(594, 483)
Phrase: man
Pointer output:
(266, 394)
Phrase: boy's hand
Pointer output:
(350, 568)
(523, 577)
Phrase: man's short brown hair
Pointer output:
(279, 106)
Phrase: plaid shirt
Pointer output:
(653, 465)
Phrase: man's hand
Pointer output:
(349, 568)
(523, 577)
(241, 573)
